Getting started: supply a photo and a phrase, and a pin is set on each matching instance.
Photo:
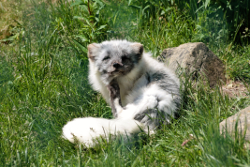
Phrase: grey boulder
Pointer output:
(197, 60)
(239, 121)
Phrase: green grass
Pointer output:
(44, 84)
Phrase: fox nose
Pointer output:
(117, 65)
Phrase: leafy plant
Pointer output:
(92, 25)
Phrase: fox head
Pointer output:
(114, 58)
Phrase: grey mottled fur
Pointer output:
(121, 61)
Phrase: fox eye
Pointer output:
(106, 58)
(124, 58)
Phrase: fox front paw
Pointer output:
(151, 102)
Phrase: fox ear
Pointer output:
(138, 48)
(92, 49)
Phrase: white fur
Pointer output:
(136, 96)
(132, 86)
(86, 130)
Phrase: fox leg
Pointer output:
(115, 98)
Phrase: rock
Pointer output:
(197, 60)
(243, 120)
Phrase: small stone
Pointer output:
(230, 85)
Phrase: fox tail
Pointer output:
(87, 130)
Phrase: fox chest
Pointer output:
(128, 88)
(125, 89)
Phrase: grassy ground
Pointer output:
(43, 84)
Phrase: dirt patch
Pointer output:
(236, 89)
(10, 16)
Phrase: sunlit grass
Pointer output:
(44, 84)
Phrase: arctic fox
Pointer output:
(141, 91)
